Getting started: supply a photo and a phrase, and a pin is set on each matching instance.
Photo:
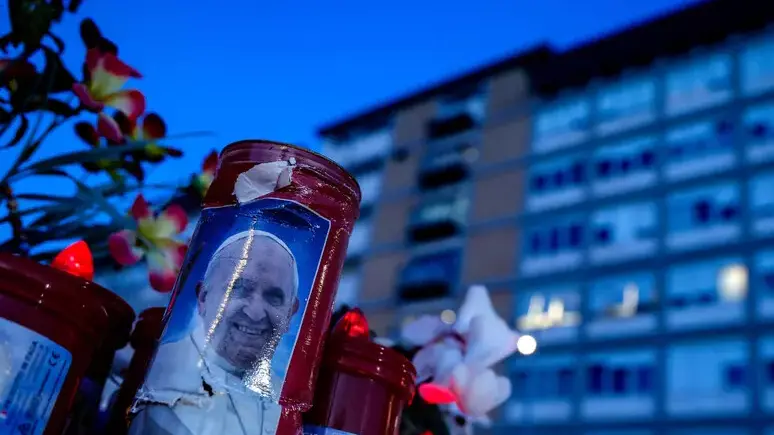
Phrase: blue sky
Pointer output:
(278, 70)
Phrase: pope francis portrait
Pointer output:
(221, 378)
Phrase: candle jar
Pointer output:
(362, 387)
(53, 326)
(244, 331)
(143, 340)
(85, 416)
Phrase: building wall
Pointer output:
(627, 225)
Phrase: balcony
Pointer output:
(439, 217)
(458, 115)
(447, 166)
(360, 149)
(429, 277)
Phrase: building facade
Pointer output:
(618, 200)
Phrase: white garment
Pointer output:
(176, 380)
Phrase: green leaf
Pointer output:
(21, 130)
(55, 74)
(80, 157)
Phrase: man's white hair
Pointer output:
(249, 236)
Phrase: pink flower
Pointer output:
(154, 239)
(105, 76)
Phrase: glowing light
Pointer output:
(436, 394)
(631, 298)
(539, 317)
(77, 260)
(448, 316)
(732, 282)
(526, 345)
(354, 324)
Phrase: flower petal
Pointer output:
(82, 92)
(164, 264)
(131, 102)
(107, 73)
(174, 220)
(87, 133)
(210, 163)
(126, 125)
(153, 127)
(423, 330)
(140, 209)
(109, 128)
(436, 394)
(123, 249)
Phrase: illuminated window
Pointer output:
(551, 314)
(622, 305)
(707, 293)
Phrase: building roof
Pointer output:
(526, 59)
(666, 35)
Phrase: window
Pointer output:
(699, 148)
(625, 166)
(764, 283)
(706, 294)
(699, 84)
(708, 378)
(458, 113)
(554, 246)
(757, 67)
(762, 203)
(348, 288)
(359, 239)
(624, 232)
(448, 165)
(370, 187)
(703, 217)
(470, 101)
(622, 305)
(542, 389)
(561, 125)
(766, 372)
(551, 314)
(759, 133)
(556, 183)
(440, 216)
(430, 276)
(626, 105)
(619, 385)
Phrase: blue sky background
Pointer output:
(278, 70)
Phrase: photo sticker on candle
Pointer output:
(234, 321)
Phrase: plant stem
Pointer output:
(19, 243)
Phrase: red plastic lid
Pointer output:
(240, 156)
(74, 300)
(148, 328)
(363, 357)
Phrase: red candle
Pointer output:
(54, 327)
(243, 335)
(363, 386)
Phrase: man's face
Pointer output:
(257, 310)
